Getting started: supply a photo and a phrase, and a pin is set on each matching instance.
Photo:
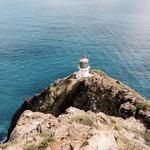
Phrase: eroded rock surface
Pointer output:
(100, 93)
(77, 130)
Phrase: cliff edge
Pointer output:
(99, 95)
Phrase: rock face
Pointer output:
(99, 93)
(77, 130)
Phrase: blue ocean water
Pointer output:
(42, 40)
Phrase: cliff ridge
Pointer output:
(103, 113)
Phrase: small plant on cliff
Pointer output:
(145, 105)
(43, 145)
(85, 120)
(47, 138)
(31, 147)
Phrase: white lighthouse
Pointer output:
(84, 68)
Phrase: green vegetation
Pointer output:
(129, 144)
(47, 138)
(145, 105)
(117, 127)
(31, 147)
(84, 119)
(147, 137)
(43, 145)
(45, 134)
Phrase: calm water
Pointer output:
(42, 40)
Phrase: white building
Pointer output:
(83, 68)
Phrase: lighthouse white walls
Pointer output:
(83, 68)
(83, 73)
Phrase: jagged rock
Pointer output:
(99, 93)
(127, 110)
(77, 130)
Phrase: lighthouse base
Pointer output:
(83, 73)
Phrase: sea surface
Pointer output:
(42, 40)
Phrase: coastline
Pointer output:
(99, 93)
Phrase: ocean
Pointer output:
(42, 40)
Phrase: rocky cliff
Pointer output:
(108, 115)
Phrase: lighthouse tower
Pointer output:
(83, 68)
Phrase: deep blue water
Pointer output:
(42, 40)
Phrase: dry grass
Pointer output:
(145, 105)
(84, 119)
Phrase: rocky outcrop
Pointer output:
(77, 130)
(95, 113)
(99, 93)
